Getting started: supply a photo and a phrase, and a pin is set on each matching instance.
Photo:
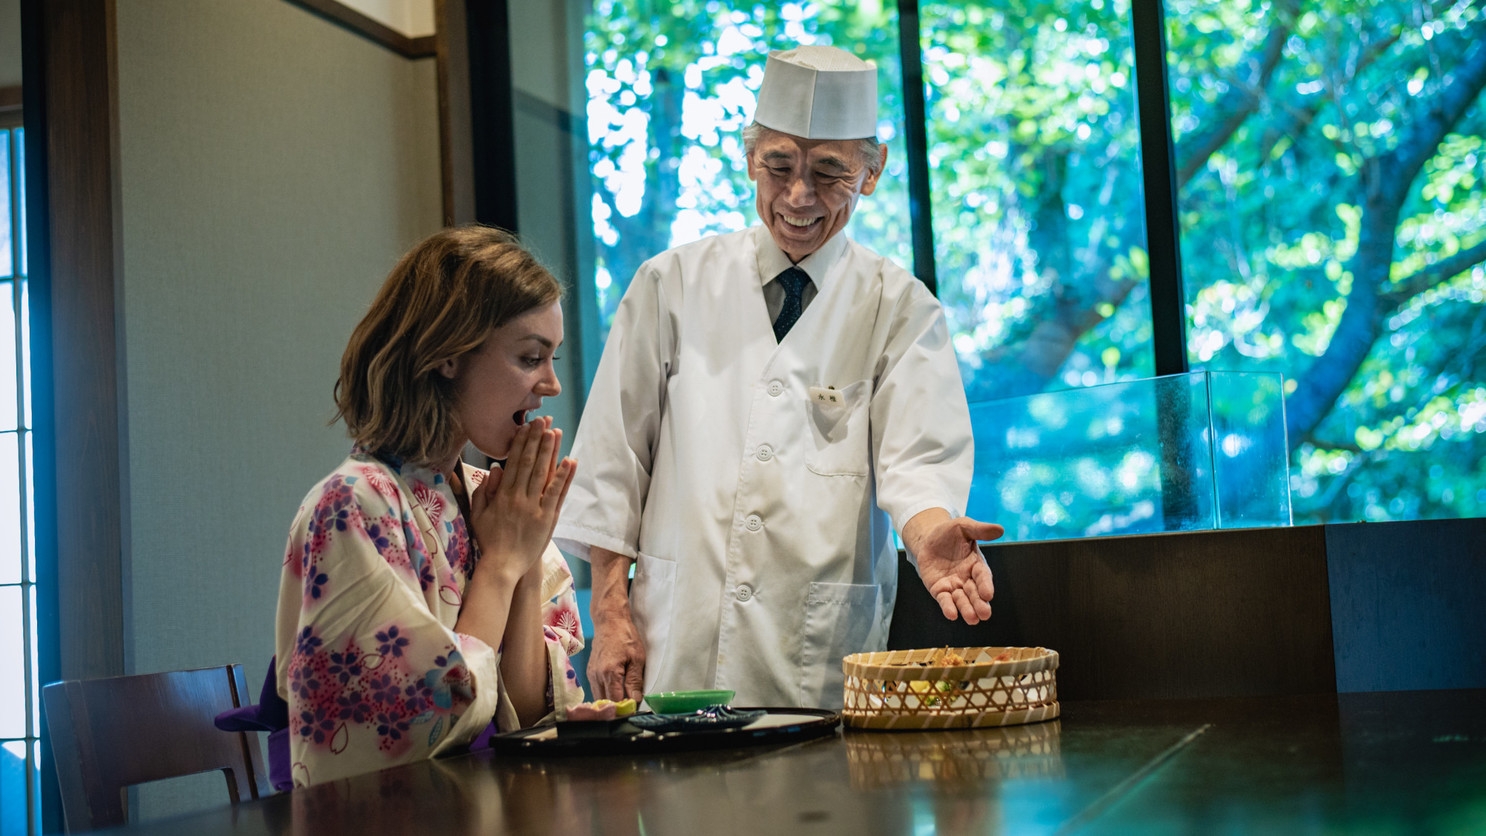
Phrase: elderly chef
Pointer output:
(768, 403)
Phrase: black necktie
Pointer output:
(793, 281)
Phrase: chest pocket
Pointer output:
(839, 432)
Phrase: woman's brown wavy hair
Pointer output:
(440, 302)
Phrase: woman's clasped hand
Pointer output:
(515, 509)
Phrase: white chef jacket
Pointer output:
(752, 480)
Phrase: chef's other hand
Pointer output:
(950, 563)
(616, 663)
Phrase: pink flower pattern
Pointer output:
(432, 500)
(562, 617)
(378, 676)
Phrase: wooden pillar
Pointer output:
(73, 249)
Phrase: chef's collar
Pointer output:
(772, 261)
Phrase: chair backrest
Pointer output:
(110, 734)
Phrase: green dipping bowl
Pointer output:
(685, 702)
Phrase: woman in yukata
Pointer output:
(421, 600)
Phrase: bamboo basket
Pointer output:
(906, 689)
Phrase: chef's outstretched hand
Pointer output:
(950, 563)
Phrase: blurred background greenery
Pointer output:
(1329, 162)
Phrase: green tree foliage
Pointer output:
(671, 85)
(1330, 161)
(1034, 150)
(1330, 165)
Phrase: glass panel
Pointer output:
(20, 197)
(30, 509)
(1133, 457)
(1039, 232)
(1330, 158)
(10, 509)
(13, 801)
(1250, 459)
(12, 674)
(7, 264)
(9, 385)
(26, 350)
(671, 87)
(35, 661)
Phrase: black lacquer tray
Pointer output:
(777, 725)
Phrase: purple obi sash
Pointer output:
(271, 715)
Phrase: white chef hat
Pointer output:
(818, 92)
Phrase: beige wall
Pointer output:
(10, 43)
(272, 166)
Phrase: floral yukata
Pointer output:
(369, 662)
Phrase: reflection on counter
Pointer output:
(880, 759)
(608, 795)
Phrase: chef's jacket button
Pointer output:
(775, 388)
(765, 453)
(744, 592)
(753, 522)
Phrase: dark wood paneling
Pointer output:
(359, 23)
(492, 121)
(1409, 603)
(76, 348)
(476, 115)
(1201, 614)
(456, 154)
(72, 244)
(10, 106)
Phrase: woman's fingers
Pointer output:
(522, 456)
(556, 492)
(536, 475)
(553, 459)
(512, 464)
(536, 457)
(567, 482)
(536, 433)
(542, 463)
(557, 489)
(480, 496)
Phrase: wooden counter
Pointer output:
(1399, 762)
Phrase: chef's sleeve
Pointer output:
(616, 436)
(922, 450)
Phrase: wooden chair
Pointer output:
(110, 734)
